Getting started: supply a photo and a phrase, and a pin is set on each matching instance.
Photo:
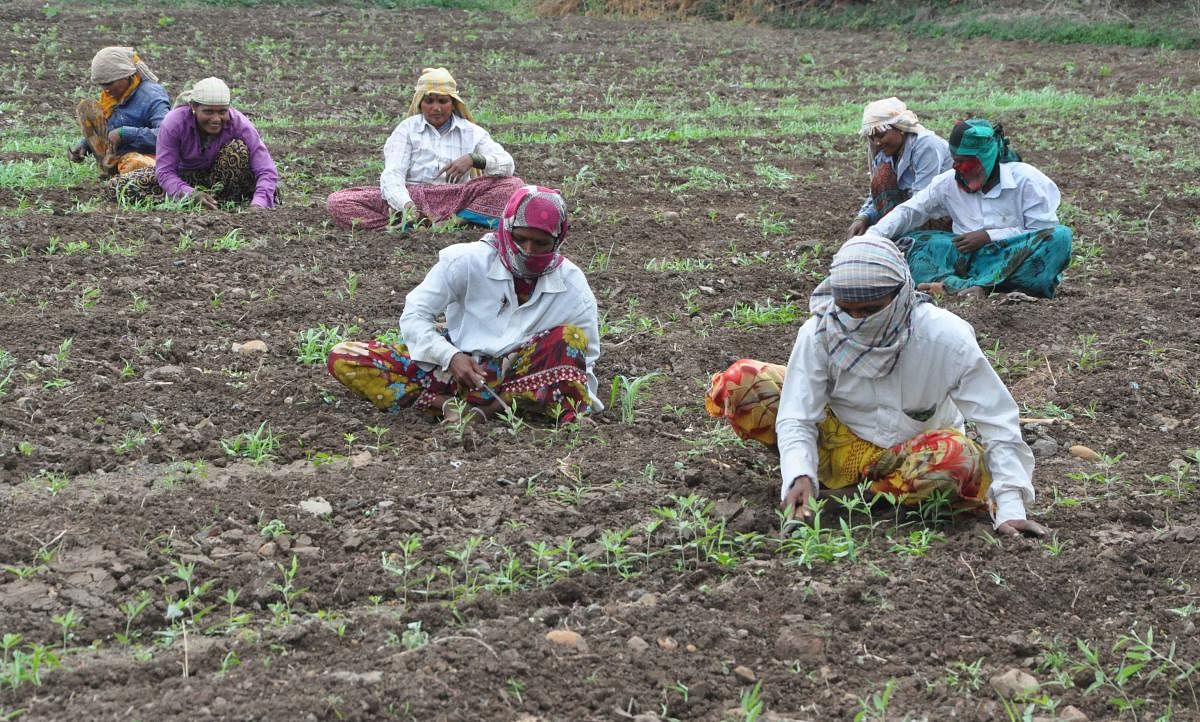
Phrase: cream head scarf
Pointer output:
(114, 63)
(889, 113)
(210, 91)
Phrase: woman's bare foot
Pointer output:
(973, 292)
(937, 288)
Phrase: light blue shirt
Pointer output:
(923, 156)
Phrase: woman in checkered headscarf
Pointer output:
(875, 395)
(439, 166)
(521, 327)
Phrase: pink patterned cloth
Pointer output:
(532, 207)
(365, 207)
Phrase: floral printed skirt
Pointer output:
(546, 375)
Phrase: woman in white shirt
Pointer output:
(438, 165)
(521, 327)
(876, 392)
(1006, 235)
(903, 156)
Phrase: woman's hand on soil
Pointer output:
(1018, 527)
(77, 153)
(973, 241)
(205, 200)
(467, 372)
(857, 228)
(457, 169)
(797, 499)
(411, 215)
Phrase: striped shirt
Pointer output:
(416, 151)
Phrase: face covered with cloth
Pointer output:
(531, 232)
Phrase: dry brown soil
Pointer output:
(819, 639)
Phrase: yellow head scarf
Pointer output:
(438, 80)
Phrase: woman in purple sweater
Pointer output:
(207, 152)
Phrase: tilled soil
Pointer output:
(126, 391)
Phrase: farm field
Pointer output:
(195, 529)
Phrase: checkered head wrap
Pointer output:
(866, 268)
(441, 82)
(531, 207)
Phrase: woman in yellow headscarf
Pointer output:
(120, 128)
(438, 164)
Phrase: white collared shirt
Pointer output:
(942, 376)
(1024, 200)
(472, 287)
(415, 152)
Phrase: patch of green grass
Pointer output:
(765, 313)
(968, 21)
(49, 173)
(313, 344)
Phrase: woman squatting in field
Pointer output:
(875, 394)
(902, 158)
(1006, 235)
(120, 127)
(438, 165)
(208, 152)
(521, 327)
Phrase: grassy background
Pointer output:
(1129, 23)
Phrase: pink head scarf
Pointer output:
(532, 207)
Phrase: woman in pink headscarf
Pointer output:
(521, 327)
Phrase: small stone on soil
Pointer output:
(667, 644)
(795, 644)
(744, 674)
(566, 638)
(637, 645)
(166, 373)
(317, 506)
(1043, 448)
(1014, 683)
(1080, 451)
(250, 347)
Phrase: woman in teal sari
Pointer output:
(1006, 235)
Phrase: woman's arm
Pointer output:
(266, 176)
(802, 404)
(397, 157)
(497, 160)
(912, 213)
(424, 304)
(984, 399)
(166, 151)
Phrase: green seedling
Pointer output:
(257, 446)
(625, 391)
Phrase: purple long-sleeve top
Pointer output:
(179, 149)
